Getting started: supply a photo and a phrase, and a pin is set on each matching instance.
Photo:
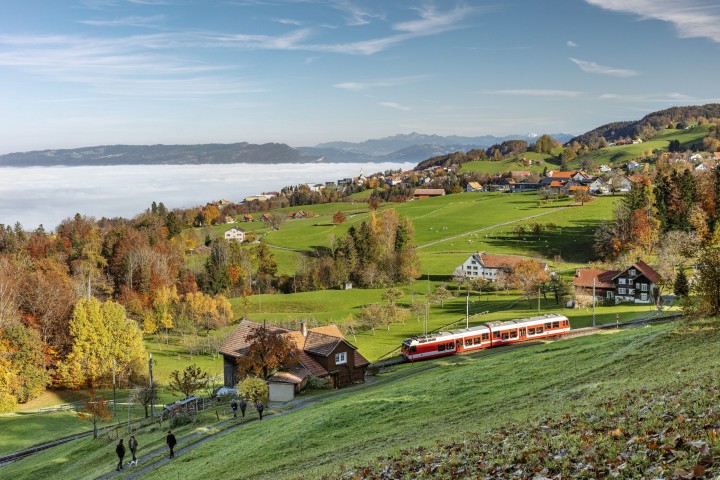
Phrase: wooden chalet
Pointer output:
(324, 353)
(637, 284)
(421, 193)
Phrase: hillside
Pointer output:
(652, 121)
(584, 407)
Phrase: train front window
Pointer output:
(413, 349)
(441, 347)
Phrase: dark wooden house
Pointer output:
(324, 353)
(637, 284)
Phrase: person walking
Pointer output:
(259, 407)
(234, 406)
(120, 450)
(243, 406)
(171, 442)
(133, 444)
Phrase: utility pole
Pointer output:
(114, 397)
(152, 398)
(467, 311)
(593, 302)
(538, 301)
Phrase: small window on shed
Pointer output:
(477, 340)
(441, 347)
(340, 358)
(531, 331)
(468, 342)
(485, 336)
(496, 334)
(556, 324)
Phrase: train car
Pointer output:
(491, 334)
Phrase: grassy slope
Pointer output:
(445, 401)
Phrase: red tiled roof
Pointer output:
(578, 187)
(429, 191)
(360, 360)
(603, 278)
(557, 183)
(570, 174)
(311, 364)
(293, 375)
(331, 330)
(648, 271)
(237, 343)
(320, 343)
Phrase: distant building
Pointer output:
(487, 266)
(235, 234)
(421, 193)
(637, 284)
(473, 187)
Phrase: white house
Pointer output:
(236, 234)
(483, 265)
(605, 169)
(598, 187)
(696, 157)
(473, 187)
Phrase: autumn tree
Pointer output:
(102, 336)
(581, 196)
(528, 277)
(545, 144)
(22, 366)
(189, 381)
(276, 220)
(94, 410)
(268, 352)
(440, 294)
(706, 287)
(146, 395)
(339, 217)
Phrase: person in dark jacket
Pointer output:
(171, 442)
(243, 406)
(259, 407)
(234, 406)
(120, 450)
(133, 444)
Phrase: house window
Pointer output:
(609, 294)
(632, 272)
(473, 262)
(340, 358)
(621, 291)
(643, 296)
(643, 287)
(630, 281)
(631, 291)
(621, 281)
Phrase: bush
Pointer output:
(180, 419)
(317, 383)
(253, 389)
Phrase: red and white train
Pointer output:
(491, 334)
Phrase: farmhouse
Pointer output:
(483, 265)
(473, 187)
(236, 234)
(421, 193)
(324, 353)
(637, 284)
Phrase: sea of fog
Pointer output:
(48, 195)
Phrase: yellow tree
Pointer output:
(527, 276)
(102, 338)
(165, 300)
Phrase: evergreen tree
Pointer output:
(681, 286)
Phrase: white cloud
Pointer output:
(539, 92)
(394, 105)
(592, 67)
(691, 18)
(126, 22)
(571, 44)
(673, 97)
(388, 82)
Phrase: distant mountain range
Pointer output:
(413, 148)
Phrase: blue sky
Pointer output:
(79, 73)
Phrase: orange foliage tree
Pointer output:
(268, 352)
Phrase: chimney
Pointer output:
(303, 328)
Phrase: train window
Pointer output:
(468, 342)
(485, 336)
(477, 340)
(441, 347)
(531, 331)
(496, 334)
(539, 330)
(504, 336)
(413, 349)
(513, 334)
(547, 325)
(450, 345)
(556, 324)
